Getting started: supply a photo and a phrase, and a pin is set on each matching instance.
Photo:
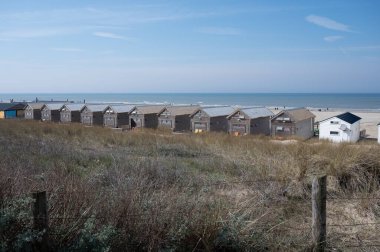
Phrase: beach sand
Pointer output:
(369, 121)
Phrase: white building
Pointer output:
(341, 128)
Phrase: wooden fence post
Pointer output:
(318, 198)
(40, 218)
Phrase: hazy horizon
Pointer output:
(189, 46)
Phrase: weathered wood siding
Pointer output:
(70, 116)
(260, 126)
(116, 120)
(138, 119)
(219, 124)
(166, 122)
(239, 124)
(201, 122)
(182, 123)
(303, 129)
(32, 114)
(151, 121)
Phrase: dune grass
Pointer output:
(153, 190)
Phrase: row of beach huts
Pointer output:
(298, 122)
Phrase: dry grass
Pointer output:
(152, 190)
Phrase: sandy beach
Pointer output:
(370, 118)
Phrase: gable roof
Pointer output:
(150, 109)
(5, 106)
(35, 105)
(180, 110)
(12, 106)
(73, 106)
(121, 108)
(297, 114)
(254, 112)
(53, 106)
(347, 117)
(215, 111)
(95, 107)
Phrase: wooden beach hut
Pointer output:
(378, 133)
(252, 120)
(51, 112)
(145, 116)
(33, 111)
(117, 116)
(176, 118)
(210, 119)
(3, 108)
(293, 122)
(71, 112)
(92, 114)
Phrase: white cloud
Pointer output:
(219, 31)
(109, 35)
(332, 38)
(328, 23)
(66, 49)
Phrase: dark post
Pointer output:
(318, 198)
(40, 218)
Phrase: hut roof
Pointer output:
(36, 105)
(53, 106)
(12, 106)
(217, 111)
(95, 107)
(254, 112)
(151, 109)
(347, 117)
(74, 106)
(297, 114)
(122, 108)
(5, 106)
(181, 110)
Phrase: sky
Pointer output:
(189, 46)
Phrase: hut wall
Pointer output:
(66, 116)
(182, 123)
(20, 113)
(166, 122)
(86, 117)
(122, 119)
(29, 113)
(282, 129)
(305, 128)
(241, 126)
(2, 115)
(151, 121)
(45, 115)
(75, 116)
(219, 123)
(138, 119)
(260, 126)
(202, 124)
(10, 114)
(110, 120)
(55, 115)
(36, 114)
(97, 118)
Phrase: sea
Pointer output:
(281, 100)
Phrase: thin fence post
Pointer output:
(40, 218)
(318, 198)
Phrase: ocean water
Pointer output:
(281, 100)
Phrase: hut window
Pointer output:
(280, 129)
(334, 133)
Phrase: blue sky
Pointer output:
(189, 46)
